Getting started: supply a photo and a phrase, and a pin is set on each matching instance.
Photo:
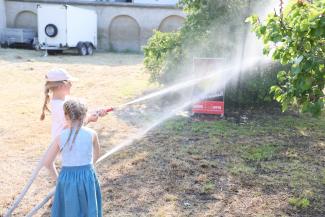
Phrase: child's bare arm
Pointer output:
(93, 117)
(50, 157)
(90, 118)
(96, 148)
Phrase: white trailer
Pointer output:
(62, 27)
(158, 2)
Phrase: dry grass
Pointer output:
(104, 80)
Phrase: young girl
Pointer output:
(59, 82)
(77, 191)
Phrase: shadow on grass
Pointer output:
(272, 165)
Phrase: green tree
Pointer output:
(213, 28)
(296, 38)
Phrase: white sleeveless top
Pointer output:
(79, 153)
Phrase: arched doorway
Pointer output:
(26, 19)
(124, 34)
(171, 23)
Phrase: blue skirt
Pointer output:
(77, 193)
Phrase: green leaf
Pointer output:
(281, 76)
(306, 84)
(279, 98)
(275, 89)
(252, 19)
(307, 46)
(299, 59)
(304, 25)
(266, 50)
(296, 69)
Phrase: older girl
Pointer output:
(59, 82)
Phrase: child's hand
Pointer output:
(92, 117)
(102, 112)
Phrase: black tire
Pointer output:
(5, 45)
(51, 52)
(90, 49)
(53, 32)
(54, 52)
(82, 49)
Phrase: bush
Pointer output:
(207, 32)
(253, 90)
(160, 48)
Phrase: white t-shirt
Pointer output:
(57, 117)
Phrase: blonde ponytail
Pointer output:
(49, 86)
(46, 101)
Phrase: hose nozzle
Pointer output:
(110, 109)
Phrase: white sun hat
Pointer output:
(59, 75)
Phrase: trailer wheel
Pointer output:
(54, 52)
(51, 52)
(90, 49)
(82, 49)
(5, 44)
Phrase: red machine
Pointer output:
(212, 103)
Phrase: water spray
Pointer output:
(230, 74)
(124, 144)
(142, 132)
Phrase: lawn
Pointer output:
(270, 164)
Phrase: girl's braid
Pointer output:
(76, 111)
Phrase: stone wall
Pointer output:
(121, 26)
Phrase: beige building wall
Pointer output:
(121, 26)
(2, 14)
